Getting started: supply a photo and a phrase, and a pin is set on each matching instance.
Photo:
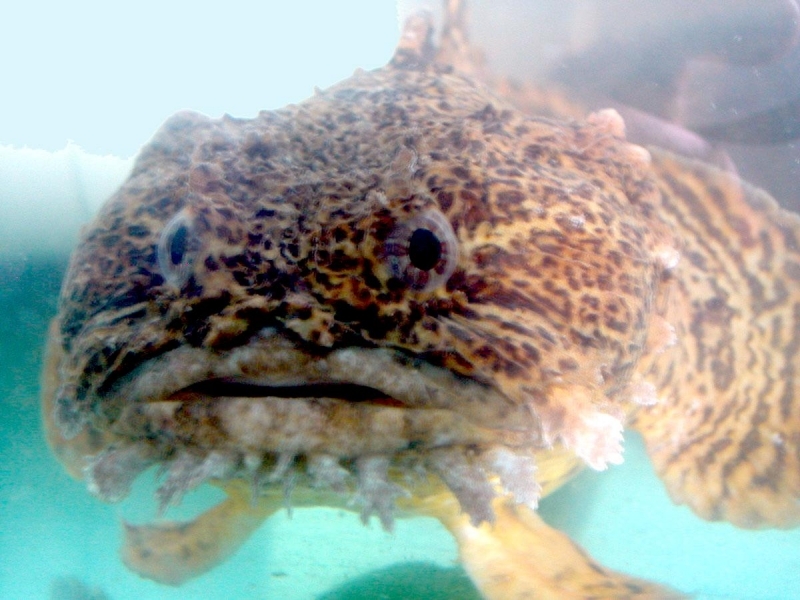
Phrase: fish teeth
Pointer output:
(281, 468)
(288, 487)
(281, 472)
(188, 471)
(517, 474)
(376, 494)
(326, 472)
(466, 480)
(110, 474)
(253, 464)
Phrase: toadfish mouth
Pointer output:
(275, 414)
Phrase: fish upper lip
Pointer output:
(272, 364)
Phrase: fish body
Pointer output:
(410, 293)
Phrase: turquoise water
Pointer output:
(55, 538)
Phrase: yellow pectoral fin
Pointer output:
(172, 553)
(520, 556)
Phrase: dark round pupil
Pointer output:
(424, 249)
(177, 245)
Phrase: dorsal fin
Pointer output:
(419, 47)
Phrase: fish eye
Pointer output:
(423, 252)
(176, 249)
(177, 245)
(424, 249)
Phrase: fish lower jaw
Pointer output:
(371, 453)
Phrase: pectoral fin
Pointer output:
(520, 556)
(173, 553)
(725, 432)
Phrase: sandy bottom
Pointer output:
(58, 542)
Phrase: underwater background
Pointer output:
(93, 84)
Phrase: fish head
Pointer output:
(401, 273)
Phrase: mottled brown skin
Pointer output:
(725, 434)
(299, 220)
(253, 304)
(554, 256)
